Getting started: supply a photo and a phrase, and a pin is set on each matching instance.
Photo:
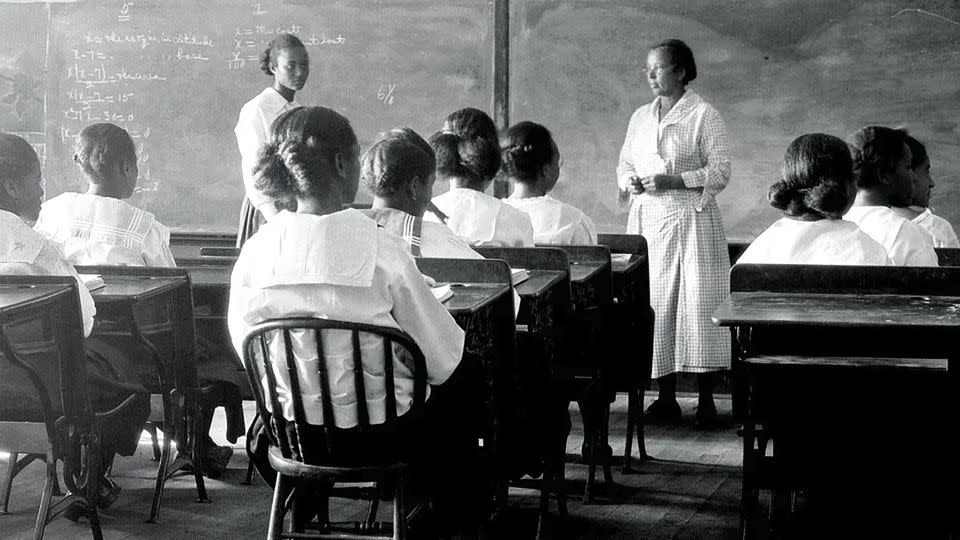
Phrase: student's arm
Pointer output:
(712, 144)
(426, 321)
(54, 263)
(585, 234)
(625, 170)
(156, 247)
(238, 305)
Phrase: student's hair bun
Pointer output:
(102, 145)
(467, 147)
(526, 149)
(817, 177)
(875, 150)
(395, 160)
(297, 159)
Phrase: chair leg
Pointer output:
(399, 509)
(604, 439)
(161, 478)
(152, 429)
(628, 443)
(6, 481)
(197, 427)
(44, 511)
(248, 479)
(275, 529)
(372, 511)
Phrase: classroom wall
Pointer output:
(774, 70)
(176, 72)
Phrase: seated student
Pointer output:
(468, 156)
(25, 252)
(532, 160)
(815, 190)
(940, 230)
(881, 167)
(99, 227)
(399, 171)
(322, 261)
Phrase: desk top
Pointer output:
(469, 297)
(626, 266)
(539, 282)
(584, 271)
(134, 288)
(839, 310)
(209, 276)
(17, 297)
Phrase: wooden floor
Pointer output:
(691, 490)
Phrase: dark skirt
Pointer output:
(250, 221)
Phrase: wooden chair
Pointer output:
(158, 338)
(45, 412)
(852, 370)
(631, 316)
(948, 256)
(300, 463)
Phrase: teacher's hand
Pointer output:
(635, 186)
(661, 182)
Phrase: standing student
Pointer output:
(287, 62)
(399, 171)
(532, 161)
(881, 165)
(815, 189)
(23, 251)
(674, 161)
(940, 230)
(99, 226)
(323, 261)
(468, 156)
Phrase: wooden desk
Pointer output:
(831, 418)
(17, 298)
(470, 298)
(188, 245)
(539, 283)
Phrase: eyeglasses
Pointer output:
(560, 162)
(656, 69)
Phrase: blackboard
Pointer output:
(774, 70)
(176, 72)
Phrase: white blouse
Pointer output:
(102, 230)
(434, 240)
(483, 219)
(827, 241)
(905, 241)
(252, 131)
(341, 266)
(24, 252)
(556, 222)
(939, 229)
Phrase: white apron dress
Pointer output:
(939, 229)
(252, 130)
(689, 262)
(826, 241)
(93, 230)
(482, 219)
(904, 240)
(556, 222)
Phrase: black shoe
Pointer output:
(707, 418)
(107, 493)
(75, 511)
(215, 460)
(586, 451)
(663, 412)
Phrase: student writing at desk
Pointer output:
(881, 165)
(468, 156)
(399, 171)
(815, 190)
(23, 251)
(532, 161)
(99, 226)
(322, 261)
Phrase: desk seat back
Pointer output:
(42, 367)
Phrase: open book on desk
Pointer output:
(442, 292)
(92, 281)
(519, 275)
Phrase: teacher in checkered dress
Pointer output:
(673, 163)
